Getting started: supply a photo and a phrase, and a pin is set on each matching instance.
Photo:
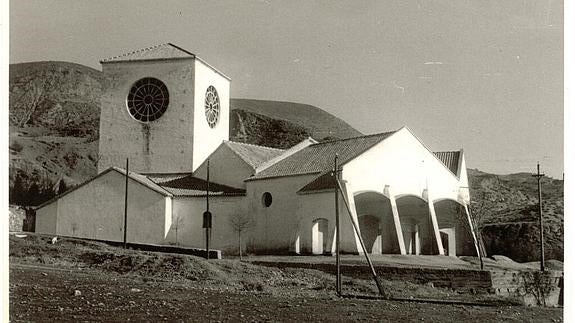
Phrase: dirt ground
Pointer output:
(74, 280)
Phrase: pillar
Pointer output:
(434, 223)
(387, 191)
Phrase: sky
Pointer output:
(485, 75)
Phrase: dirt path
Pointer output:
(41, 293)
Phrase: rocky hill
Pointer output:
(54, 123)
(54, 116)
(507, 210)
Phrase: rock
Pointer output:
(54, 240)
(77, 293)
(135, 290)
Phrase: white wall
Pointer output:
(162, 145)
(277, 226)
(96, 211)
(402, 162)
(226, 167)
(207, 139)
(187, 221)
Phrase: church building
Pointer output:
(167, 111)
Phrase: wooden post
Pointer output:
(541, 238)
(208, 210)
(337, 228)
(373, 273)
(126, 204)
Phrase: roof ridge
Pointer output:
(134, 52)
(356, 137)
(147, 49)
(247, 144)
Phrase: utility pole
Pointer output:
(207, 214)
(337, 228)
(541, 240)
(126, 203)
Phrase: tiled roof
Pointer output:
(324, 182)
(163, 51)
(252, 154)
(450, 159)
(193, 186)
(318, 158)
(159, 178)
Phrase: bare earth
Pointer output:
(73, 280)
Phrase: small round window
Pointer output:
(267, 199)
(148, 99)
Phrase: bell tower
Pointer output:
(163, 108)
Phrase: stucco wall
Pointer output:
(226, 167)
(277, 226)
(402, 162)
(322, 205)
(207, 139)
(162, 145)
(187, 220)
(96, 211)
(46, 219)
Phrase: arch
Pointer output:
(418, 234)
(319, 231)
(376, 224)
(454, 225)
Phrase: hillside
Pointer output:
(54, 117)
(507, 210)
(54, 123)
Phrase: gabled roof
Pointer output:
(193, 186)
(253, 155)
(318, 158)
(450, 159)
(162, 51)
(167, 51)
(134, 176)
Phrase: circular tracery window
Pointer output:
(148, 99)
(212, 106)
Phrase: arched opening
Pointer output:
(376, 223)
(452, 222)
(416, 226)
(319, 236)
(369, 226)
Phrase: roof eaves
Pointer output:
(106, 171)
(251, 179)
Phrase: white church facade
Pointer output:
(168, 112)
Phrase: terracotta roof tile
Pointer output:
(450, 159)
(193, 186)
(318, 158)
(325, 182)
(252, 154)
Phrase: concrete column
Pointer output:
(387, 191)
(434, 223)
(349, 196)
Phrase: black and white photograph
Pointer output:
(285, 161)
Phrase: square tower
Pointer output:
(163, 108)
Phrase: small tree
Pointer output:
(240, 222)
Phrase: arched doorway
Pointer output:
(454, 227)
(319, 236)
(416, 225)
(376, 223)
